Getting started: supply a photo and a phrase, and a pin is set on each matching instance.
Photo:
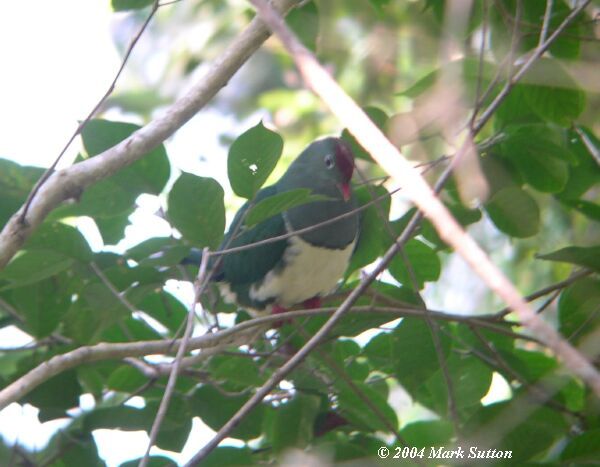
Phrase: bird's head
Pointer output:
(326, 165)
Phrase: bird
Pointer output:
(303, 268)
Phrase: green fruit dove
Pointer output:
(301, 268)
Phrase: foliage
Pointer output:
(537, 156)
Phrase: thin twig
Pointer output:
(546, 23)
(339, 371)
(310, 228)
(110, 286)
(373, 202)
(500, 363)
(548, 302)
(537, 53)
(390, 159)
(514, 40)
(54, 338)
(113, 290)
(200, 285)
(546, 290)
(280, 373)
(331, 363)
(99, 104)
(107, 351)
(285, 369)
(588, 143)
(72, 181)
(484, 31)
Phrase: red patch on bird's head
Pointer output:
(344, 160)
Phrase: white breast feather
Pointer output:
(309, 271)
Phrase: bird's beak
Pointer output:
(345, 189)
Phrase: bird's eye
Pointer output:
(329, 161)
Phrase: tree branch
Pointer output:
(85, 121)
(200, 285)
(70, 182)
(213, 342)
(537, 53)
(392, 161)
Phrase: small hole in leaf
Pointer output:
(253, 168)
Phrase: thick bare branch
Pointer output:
(214, 342)
(393, 162)
(93, 112)
(70, 182)
(110, 351)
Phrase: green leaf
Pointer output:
(146, 175)
(229, 456)
(291, 424)
(71, 446)
(415, 355)
(252, 158)
(197, 210)
(424, 434)
(353, 408)
(471, 381)
(111, 201)
(126, 379)
(164, 308)
(380, 5)
(42, 305)
(578, 307)
(345, 353)
(514, 212)
(122, 5)
(587, 208)
(215, 409)
(466, 69)
(515, 109)
(583, 449)
(421, 85)
(95, 308)
(176, 425)
(92, 377)
(416, 261)
(541, 162)
(241, 371)
(106, 198)
(533, 433)
(530, 365)
(32, 266)
(408, 352)
(279, 203)
(567, 44)
(585, 173)
(16, 181)
(304, 21)
(112, 228)
(148, 248)
(60, 238)
(55, 396)
(121, 417)
(153, 461)
(561, 103)
(588, 257)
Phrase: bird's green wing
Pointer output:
(251, 265)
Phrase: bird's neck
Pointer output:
(336, 235)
